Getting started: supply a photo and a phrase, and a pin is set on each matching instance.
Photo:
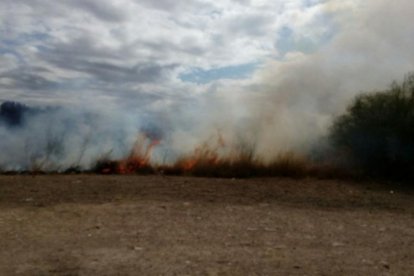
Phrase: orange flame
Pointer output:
(139, 159)
(204, 154)
(140, 155)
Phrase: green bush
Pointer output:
(377, 131)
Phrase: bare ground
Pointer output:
(155, 225)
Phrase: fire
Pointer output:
(204, 154)
(139, 158)
(187, 165)
(140, 155)
(213, 158)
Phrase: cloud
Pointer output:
(26, 79)
(274, 71)
(147, 46)
(103, 10)
(133, 43)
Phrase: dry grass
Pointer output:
(244, 166)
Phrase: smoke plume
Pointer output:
(286, 105)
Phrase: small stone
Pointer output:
(385, 265)
(368, 262)
(337, 244)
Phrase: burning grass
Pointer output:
(138, 161)
(242, 166)
(214, 158)
(207, 161)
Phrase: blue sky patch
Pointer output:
(288, 41)
(201, 76)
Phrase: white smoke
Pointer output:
(287, 105)
(292, 101)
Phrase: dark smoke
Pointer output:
(12, 113)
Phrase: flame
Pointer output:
(204, 154)
(187, 165)
(139, 158)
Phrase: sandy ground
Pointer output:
(156, 225)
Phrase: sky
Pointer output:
(107, 50)
(70, 51)
(274, 71)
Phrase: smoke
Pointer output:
(287, 105)
(293, 100)
(57, 138)
(290, 103)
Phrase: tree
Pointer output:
(377, 131)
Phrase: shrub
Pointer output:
(377, 131)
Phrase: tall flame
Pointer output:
(138, 160)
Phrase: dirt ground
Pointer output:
(158, 225)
